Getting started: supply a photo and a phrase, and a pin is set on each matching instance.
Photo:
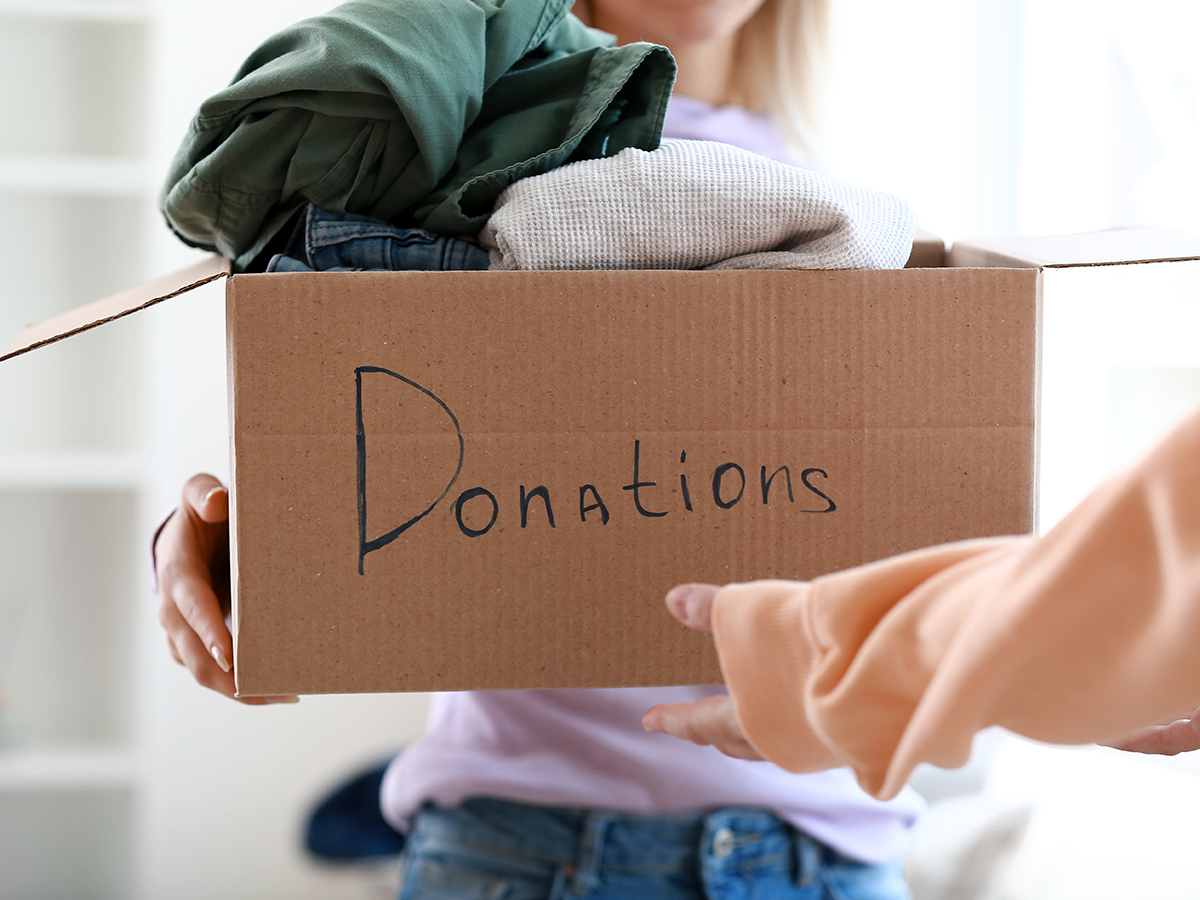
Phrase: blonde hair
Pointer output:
(782, 67)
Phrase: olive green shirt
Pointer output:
(418, 112)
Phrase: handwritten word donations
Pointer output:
(477, 509)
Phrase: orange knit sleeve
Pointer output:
(1087, 633)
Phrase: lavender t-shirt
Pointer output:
(587, 748)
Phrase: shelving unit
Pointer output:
(77, 10)
(77, 175)
(66, 843)
(73, 192)
(41, 771)
(120, 779)
(71, 471)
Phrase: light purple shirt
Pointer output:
(587, 748)
(699, 121)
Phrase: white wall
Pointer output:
(1006, 116)
(923, 104)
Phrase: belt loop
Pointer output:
(591, 853)
(807, 858)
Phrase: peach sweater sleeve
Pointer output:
(1087, 633)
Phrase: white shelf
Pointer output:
(70, 471)
(67, 770)
(98, 176)
(77, 10)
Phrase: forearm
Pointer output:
(1084, 634)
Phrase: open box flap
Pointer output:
(1099, 248)
(121, 304)
(928, 252)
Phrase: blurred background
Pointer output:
(119, 778)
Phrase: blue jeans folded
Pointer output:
(344, 242)
(498, 850)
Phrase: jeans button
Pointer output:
(722, 844)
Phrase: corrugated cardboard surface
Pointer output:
(928, 252)
(901, 404)
(1113, 247)
(118, 305)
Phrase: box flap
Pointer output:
(1115, 247)
(929, 252)
(127, 301)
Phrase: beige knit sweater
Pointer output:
(1085, 634)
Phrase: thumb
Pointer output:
(692, 605)
(207, 497)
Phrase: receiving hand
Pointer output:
(191, 560)
(712, 721)
(1179, 736)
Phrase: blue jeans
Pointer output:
(496, 850)
(345, 242)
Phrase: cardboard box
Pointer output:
(470, 480)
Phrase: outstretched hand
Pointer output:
(712, 721)
(191, 561)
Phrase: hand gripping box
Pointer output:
(488, 480)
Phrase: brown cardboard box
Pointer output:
(471, 480)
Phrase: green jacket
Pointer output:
(418, 112)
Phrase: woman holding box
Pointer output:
(540, 793)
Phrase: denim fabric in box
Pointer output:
(344, 242)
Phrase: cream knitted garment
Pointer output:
(694, 205)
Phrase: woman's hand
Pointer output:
(191, 561)
(712, 721)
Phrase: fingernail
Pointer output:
(211, 494)
(219, 655)
(683, 603)
(677, 601)
(287, 699)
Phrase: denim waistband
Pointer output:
(586, 841)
